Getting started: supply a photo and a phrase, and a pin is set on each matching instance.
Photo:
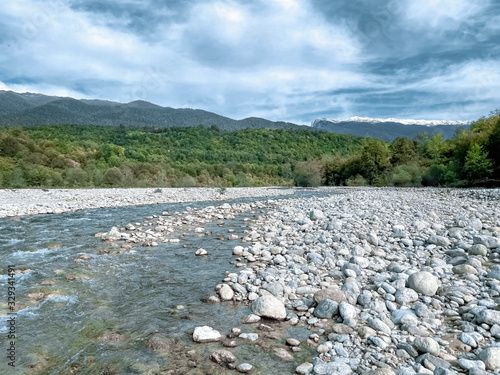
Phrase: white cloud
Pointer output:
(442, 14)
(46, 89)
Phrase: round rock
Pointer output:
(269, 307)
(292, 342)
(250, 319)
(226, 293)
(381, 371)
(347, 311)
(201, 252)
(494, 272)
(326, 309)
(222, 357)
(406, 295)
(332, 293)
(427, 345)
(305, 368)
(491, 358)
(206, 334)
(423, 282)
(244, 368)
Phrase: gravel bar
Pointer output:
(22, 202)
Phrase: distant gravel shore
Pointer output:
(22, 202)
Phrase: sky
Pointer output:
(288, 60)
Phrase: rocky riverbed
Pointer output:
(22, 202)
(388, 281)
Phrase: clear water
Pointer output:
(133, 294)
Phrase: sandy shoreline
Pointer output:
(22, 202)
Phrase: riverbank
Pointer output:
(358, 281)
(22, 202)
(388, 281)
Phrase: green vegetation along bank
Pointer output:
(93, 156)
(471, 158)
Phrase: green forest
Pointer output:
(72, 156)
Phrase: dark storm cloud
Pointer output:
(292, 60)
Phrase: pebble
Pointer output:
(249, 336)
(427, 345)
(223, 357)
(305, 368)
(244, 368)
(292, 342)
(201, 252)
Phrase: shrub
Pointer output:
(435, 175)
(308, 173)
(185, 181)
(406, 175)
(112, 177)
(76, 177)
(357, 180)
(17, 179)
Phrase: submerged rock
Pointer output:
(206, 334)
(223, 357)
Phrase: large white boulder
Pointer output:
(423, 282)
(269, 307)
(206, 334)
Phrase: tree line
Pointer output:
(73, 156)
(471, 158)
(96, 156)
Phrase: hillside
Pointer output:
(109, 156)
(29, 109)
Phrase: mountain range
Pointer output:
(29, 109)
(389, 129)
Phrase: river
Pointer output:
(132, 295)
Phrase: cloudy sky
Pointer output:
(293, 60)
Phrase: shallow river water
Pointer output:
(132, 294)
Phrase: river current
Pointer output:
(134, 295)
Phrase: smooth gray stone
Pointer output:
(444, 371)
(326, 309)
(408, 348)
(438, 362)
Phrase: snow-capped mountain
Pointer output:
(390, 128)
(395, 120)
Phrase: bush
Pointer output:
(10, 146)
(97, 177)
(17, 180)
(435, 175)
(308, 173)
(406, 175)
(112, 177)
(375, 161)
(185, 181)
(357, 180)
(76, 177)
